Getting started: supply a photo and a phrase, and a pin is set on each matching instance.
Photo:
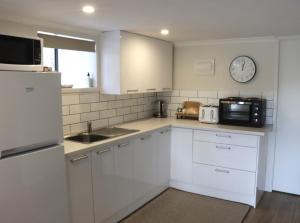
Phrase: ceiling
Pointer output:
(186, 19)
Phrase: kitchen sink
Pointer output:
(114, 132)
(100, 134)
(87, 138)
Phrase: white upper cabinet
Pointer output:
(132, 63)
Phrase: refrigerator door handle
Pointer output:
(25, 149)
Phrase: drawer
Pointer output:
(237, 157)
(226, 138)
(236, 181)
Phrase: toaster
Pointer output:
(209, 114)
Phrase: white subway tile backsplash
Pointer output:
(101, 123)
(207, 94)
(79, 127)
(213, 101)
(108, 113)
(71, 119)
(115, 120)
(269, 112)
(90, 116)
(139, 95)
(137, 108)
(173, 106)
(270, 104)
(130, 117)
(89, 98)
(70, 99)
(123, 111)
(115, 104)
(66, 130)
(201, 100)
(178, 99)
(175, 93)
(65, 110)
(145, 114)
(99, 106)
(76, 109)
(252, 94)
(225, 94)
(107, 97)
(185, 93)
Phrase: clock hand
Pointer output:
(243, 66)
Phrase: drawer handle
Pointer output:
(103, 151)
(222, 171)
(123, 145)
(146, 137)
(164, 131)
(223, 136)
(134, 90)
(223, 147)
(151, 89)
(79, 158)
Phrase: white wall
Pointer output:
(263, 51)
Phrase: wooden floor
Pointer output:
(275, 208)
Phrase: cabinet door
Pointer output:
(181, 154)
(103, 183)
(163, 148)
(80, 188)
(123, 174)
(146, 63)
(144, 165)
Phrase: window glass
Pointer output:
(75, 65)
(49, 57)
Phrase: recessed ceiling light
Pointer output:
(164, 32)
(88, 9)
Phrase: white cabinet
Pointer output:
(80, 188)
(123, 153)
(225, 165)
(104, 182)
(162, 162)
(132, 63)
(144, 157)
(181, 154)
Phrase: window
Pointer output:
(74, 58)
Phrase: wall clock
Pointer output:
(242, 69)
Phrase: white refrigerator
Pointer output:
(32, 163)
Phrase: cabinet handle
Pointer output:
(151, 89)
(123, 144)
(164, 131)
(131, 91)
(223, 136)
(103, 151)
(223, 147)
(79, 158)
(222, 171)
(146, 137)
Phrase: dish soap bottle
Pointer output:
(89, 81)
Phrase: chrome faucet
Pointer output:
(89, 127)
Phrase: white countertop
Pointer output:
(147, 125)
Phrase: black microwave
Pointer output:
(20, 53)
(242, 111)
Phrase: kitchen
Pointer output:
(125, 163)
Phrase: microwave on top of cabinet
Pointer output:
(20, 53)
(242, 111)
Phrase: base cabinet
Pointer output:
(182, 155)
(80, 188)
(104, 183)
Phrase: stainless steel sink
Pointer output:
(114, 132)
(100, 134)
(87, 138)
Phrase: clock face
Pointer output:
(242, 69)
